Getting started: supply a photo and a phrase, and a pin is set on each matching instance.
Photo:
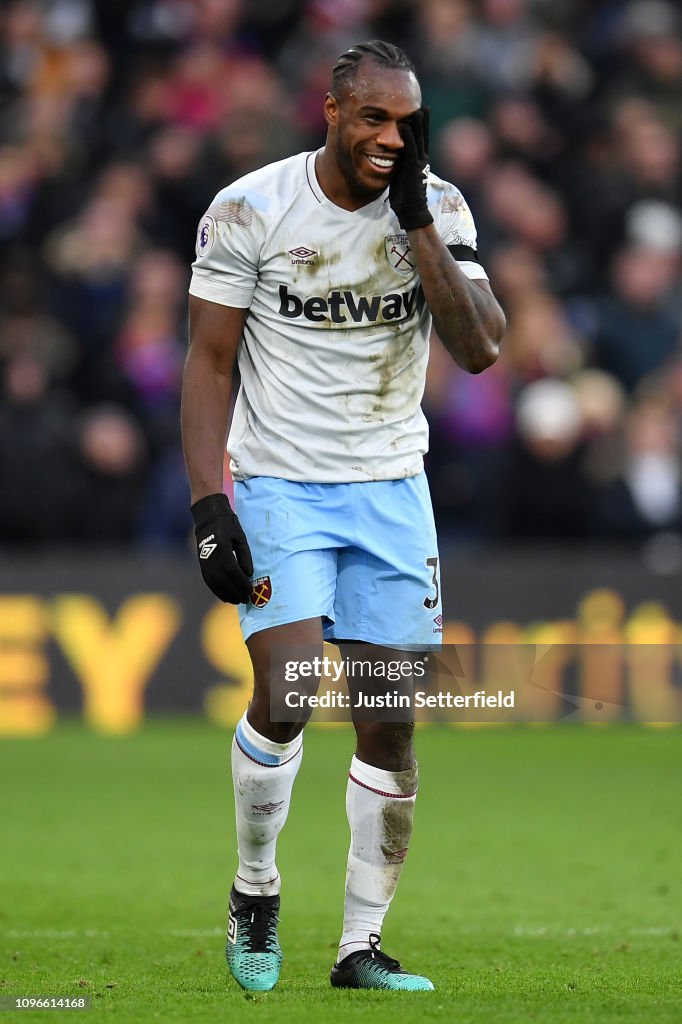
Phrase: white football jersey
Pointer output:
(335, 345)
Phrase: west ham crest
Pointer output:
(261, 591)
(399, 254)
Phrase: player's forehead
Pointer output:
(395, 90)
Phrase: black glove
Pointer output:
(407, 192)
(223, 550)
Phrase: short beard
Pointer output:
(347, 168)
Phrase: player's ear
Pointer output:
(331, 110)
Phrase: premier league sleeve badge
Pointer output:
(205, 235)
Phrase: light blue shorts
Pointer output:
(362, 556)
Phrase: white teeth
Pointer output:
(380, 161)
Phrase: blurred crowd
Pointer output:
(560, 122)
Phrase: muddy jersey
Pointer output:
(335, 344)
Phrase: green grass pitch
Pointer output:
(544, 881)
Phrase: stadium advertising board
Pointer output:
(114, 639)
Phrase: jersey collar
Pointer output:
(322, 199)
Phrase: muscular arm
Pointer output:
(466, 314)
(214, 333)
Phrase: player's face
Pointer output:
(365, 121)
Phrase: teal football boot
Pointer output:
(370, 968)
(253, 951)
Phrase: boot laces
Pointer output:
(262, 920)
(382, 958)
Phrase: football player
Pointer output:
(321, 275)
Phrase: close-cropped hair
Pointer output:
(384, 54)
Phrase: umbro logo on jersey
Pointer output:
(302, 255)
(207, 549)
(345, 307)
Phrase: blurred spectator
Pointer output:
(454, 82)
(149, 348)
(197, 97)
(33, 429)
(506, 43)
(637, 327)
(22, 46)
(179, 185)
(602, 403)
(562, 78)
(102, 480)
(90, 261)
(546, 492)
(259, 126)
(531, 212)
(517, 273)
(649, 150)
(522, 132)
(645, 494)
(164, 516)
(18, 182)
(466, 152)
(651, 39)
(471, 423)
(540, 341)
(26, 329)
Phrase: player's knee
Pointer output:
(386, 745)
(267, 704)
(278, 732)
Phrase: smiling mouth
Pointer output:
(381, 163)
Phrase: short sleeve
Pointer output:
(229, 241)
(456, 227)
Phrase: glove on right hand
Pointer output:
(223, 550)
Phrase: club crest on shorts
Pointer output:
(399, 254)
(261, 591)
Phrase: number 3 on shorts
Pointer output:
(432, 563)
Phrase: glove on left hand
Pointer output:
(407, 191)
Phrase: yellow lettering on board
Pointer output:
(114, 660)
(651, 655)
(222, 643)
(25, 710)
